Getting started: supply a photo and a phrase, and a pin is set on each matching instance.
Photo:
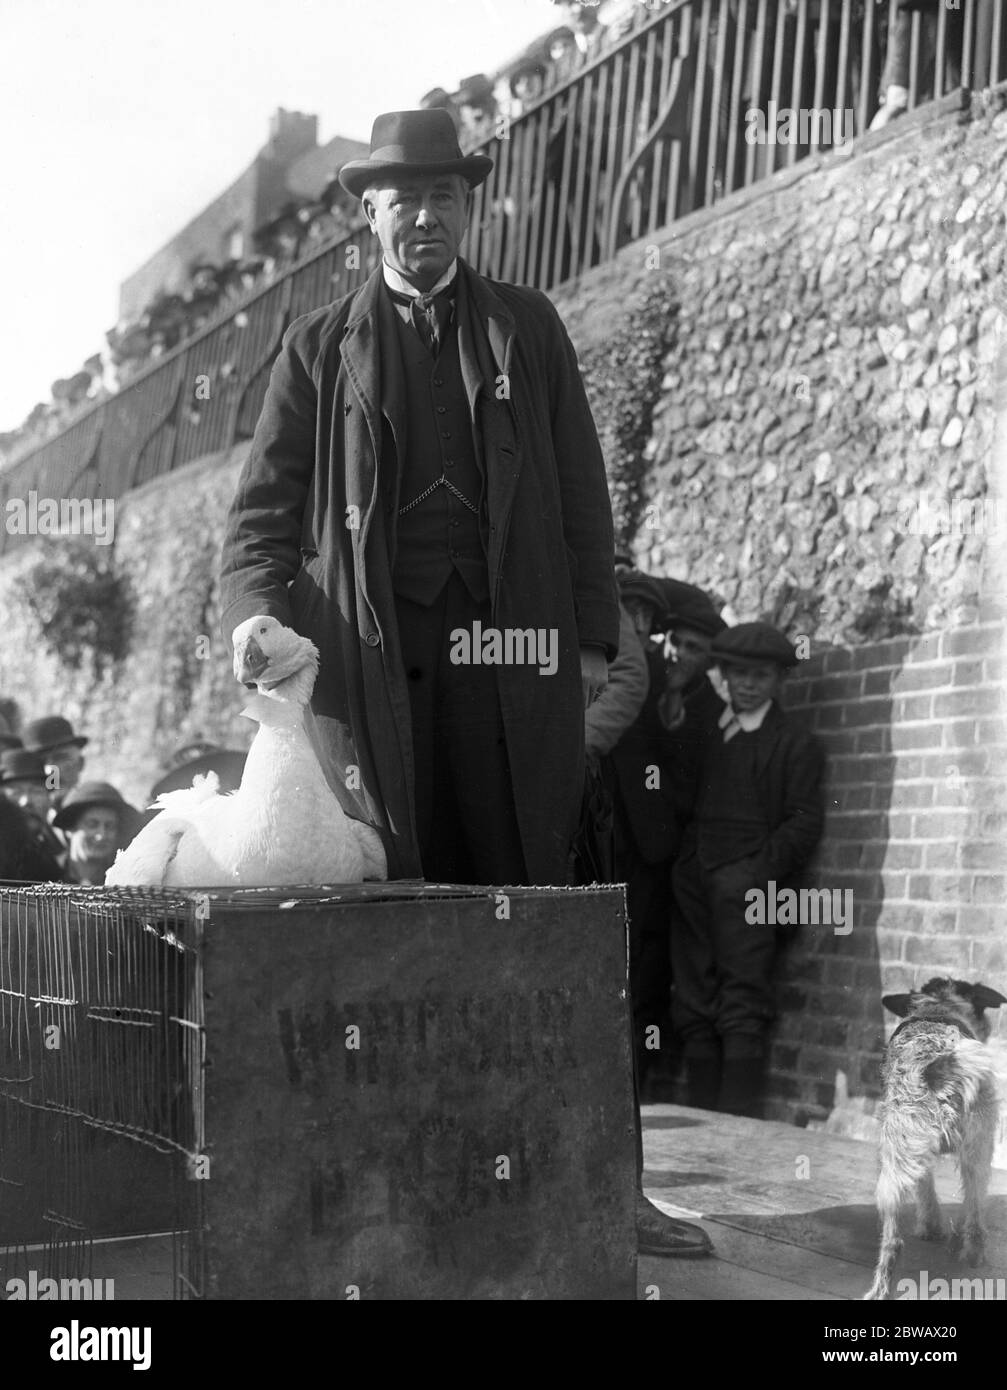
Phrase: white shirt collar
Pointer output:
(395, 281)
(749, 720)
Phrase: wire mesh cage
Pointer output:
(101, 1077)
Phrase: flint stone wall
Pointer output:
(827, 389)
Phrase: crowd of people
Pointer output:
(293, 233)
(56, 827)
(586, 33)
(714, 791)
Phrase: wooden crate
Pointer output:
(411, 1094)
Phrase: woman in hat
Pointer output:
(97, 823)
(527, 82)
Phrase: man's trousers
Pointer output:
(648, 904)
(721, 965)
(465, 814)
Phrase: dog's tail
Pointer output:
(960, 1079)
(958, 1075)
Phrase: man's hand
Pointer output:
(593, 673)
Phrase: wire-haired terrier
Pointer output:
(939, 1097)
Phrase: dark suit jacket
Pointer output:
(655, 816)
(790, 768)
(24, 854)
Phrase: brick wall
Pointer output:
(916, 741)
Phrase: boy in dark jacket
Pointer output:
(758, 818)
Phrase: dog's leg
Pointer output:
(929, 1221)
(892, 1188)
(974, 1160)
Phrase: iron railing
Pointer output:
(666, 121)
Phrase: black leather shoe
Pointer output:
(657, 1234)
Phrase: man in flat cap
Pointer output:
(758, 819)
(425, 498)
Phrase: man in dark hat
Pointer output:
(56, 743)
(477, 108)
(427, 478)
(689, 706)
(437, 99)
(23, 783)
(758, 819)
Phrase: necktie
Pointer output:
(430, 315)
(730, 723)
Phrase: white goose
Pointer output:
(283, 825)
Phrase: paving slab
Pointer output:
(791, 1209)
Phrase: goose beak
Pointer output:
(249, 662)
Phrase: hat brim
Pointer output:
(707, 625)
(44, 748)
(359, 174)
(730, 659)
(227, 764)
(65, 818)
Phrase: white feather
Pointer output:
(283, 825)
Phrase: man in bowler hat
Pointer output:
(425, 462)
(54, 740)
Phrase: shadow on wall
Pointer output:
(828, 1036)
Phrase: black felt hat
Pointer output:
(633, 584)
(692, 608)
(86, 795)
(751, 644)
(21, 765)
(476, 90)
(530, 66)
(225, 762)
(42, 735)
(413, 142)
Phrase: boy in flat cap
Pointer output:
(758, 817)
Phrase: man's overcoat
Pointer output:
(310, 541)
